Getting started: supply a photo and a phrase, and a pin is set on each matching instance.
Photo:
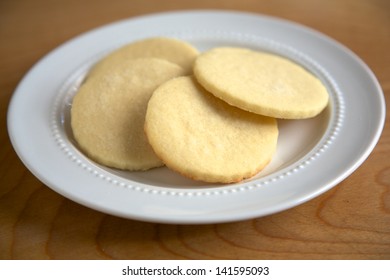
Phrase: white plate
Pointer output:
(312, 155)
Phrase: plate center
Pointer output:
(297, 138)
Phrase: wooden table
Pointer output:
(351, 221)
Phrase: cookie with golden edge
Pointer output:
(260, 82)
(108, 112)
(204, 138)
(173, 50)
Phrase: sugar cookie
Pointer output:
(173, 50)
(108, 112)
(204, 138)
(261, 82)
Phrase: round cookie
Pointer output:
(108, 112)
(261, 82)
(204, 138)
(173, 50)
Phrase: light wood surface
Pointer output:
(351, 221)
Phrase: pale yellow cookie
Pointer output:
(204, 138)
(261, 82)
(173, 50)
(108, 112)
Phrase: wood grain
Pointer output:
(351, 221)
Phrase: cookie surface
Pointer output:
(173, 50)
(108, 112)
(204, 138)
(260, 82)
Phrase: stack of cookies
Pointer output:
(209, 116)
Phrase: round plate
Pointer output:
(312, 155)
